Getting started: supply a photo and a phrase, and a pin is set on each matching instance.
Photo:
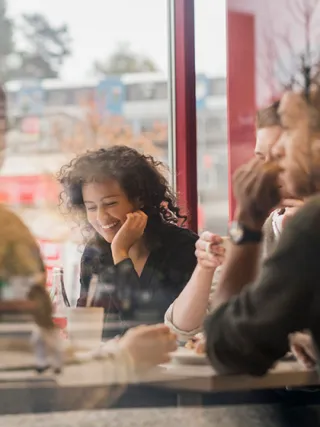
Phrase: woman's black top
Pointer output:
(123, 293)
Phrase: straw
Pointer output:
(92, 290)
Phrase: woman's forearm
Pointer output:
(240, 268)
(190, 308)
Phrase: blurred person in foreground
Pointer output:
(22, 274)
(186, 315)
(268, 125)
(254, 314)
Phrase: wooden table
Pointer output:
(193, 381)
(89, 386)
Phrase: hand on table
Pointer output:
(130, 232)
(197, 343)
(149, 345)
(210, 251)
(302, 347)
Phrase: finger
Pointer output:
(140, 328)
(167, 343)
(135, 221)
(161, 328)
(209, 256)
(207, 236)
(142, 214)
(302, 357)
(305, 348)
(200, 347)
(140, 219)
(171, 345)
(143, 222)
(292, 203)
(207, 262)
(208, 246)
(250, 166)
(267, 181)
(246, 171)
(130, 218)
(309, 349)
(217, 250)
(269, 187)
(164, 359)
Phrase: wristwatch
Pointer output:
(240, 234)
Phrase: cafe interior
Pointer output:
(158, 197)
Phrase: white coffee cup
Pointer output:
(85, 326)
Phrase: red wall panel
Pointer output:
(241, 92)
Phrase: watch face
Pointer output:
(236, 232)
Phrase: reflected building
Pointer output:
(56, 118)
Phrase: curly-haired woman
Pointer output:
(123, 200)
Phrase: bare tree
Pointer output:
(284, 64)
(93, 131)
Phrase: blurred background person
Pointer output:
(283, 298)
(186, 315)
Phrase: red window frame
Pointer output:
(241, 139)
(185, 109)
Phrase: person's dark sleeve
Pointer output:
(250, 332)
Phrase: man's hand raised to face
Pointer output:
(256, 190)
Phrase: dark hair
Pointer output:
(139, 176)
(268, 116)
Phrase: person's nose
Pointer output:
(277, 151)
(101, 215)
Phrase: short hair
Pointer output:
(268, 116)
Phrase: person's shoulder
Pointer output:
(177, 235)
(96, 249)
(15, 229)
(308, 216)
(8, 215)
(267, 226)
(305, 224)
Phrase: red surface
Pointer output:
(28, 190)
(61, 322)
(241, 93)
(186, 123)
(52, 257)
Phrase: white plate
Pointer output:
(186, 356)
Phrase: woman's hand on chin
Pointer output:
(131, 231)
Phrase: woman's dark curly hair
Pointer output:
(139, 176)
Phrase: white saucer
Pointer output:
(186, 356)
